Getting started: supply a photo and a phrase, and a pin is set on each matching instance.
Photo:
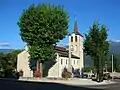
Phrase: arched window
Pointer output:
(77, 61)
(61, 61)
(71, 38)
(66, 61)
(75, 38)
(74, 61)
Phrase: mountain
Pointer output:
(114, 48)
(5, 50)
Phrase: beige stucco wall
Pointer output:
(79, 50)
(23, 64)
(55, 71)
(61, 63)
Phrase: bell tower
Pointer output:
(76, 43)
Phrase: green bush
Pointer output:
(66, 74)
(88, 69)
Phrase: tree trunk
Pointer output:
(41, 71)
(100, 72)
(39, 68)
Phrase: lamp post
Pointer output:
(112, 66)
(69, 61)
(58, 64)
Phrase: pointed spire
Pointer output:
(76, 28)
(75, 25)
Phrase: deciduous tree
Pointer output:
(41, 27)
(97, 46)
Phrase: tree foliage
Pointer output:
(41, 27)
(8, 62)
(96, 45)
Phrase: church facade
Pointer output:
(65, 57)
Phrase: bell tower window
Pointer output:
(71, 38)
(75, 38)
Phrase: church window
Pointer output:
(77, 62)
(66, 61)
(71, 38)
(74, 61)
(61, 61)
(75, 38)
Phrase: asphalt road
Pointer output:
(21, 85)
(115, 86)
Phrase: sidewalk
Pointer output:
(75, 82)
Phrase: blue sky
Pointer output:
(106, 11)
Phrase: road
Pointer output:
(22, 85)
(115, 86)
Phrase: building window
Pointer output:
(71, 38)
(61, 61)
(74, 61)
(77, 61)
(75, 38)
(66, 61)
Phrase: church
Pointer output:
(71, 56)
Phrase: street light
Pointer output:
(112, 66)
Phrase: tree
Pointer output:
(12, 56)
(8, 62)
(41, 27)
(88, 69)
(3, 64)
(97, 46)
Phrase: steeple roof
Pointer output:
(76, 28)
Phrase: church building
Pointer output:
(72, 56)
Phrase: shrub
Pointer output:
(21, 73)
(66, 74)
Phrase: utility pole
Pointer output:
(112, 66)
(58, 64)
(69, 62)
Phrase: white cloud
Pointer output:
(4, 44)
(116, 40)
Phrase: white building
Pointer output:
(63, 59)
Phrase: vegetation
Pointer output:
(97, 46)
(41, 27)
(88, 69)
(8, 63)
(66, 74)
